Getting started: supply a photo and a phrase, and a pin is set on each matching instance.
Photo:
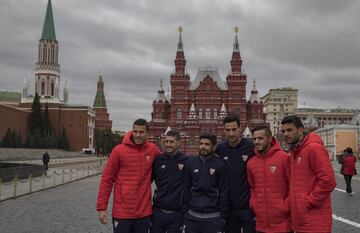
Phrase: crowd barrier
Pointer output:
(19, 187)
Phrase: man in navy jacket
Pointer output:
(168, 174)
(236, 151)
(206, 200)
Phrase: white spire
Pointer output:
(192, 108)
(25, 88)
(223, 109)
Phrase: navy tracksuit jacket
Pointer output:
(206, 186)
(168, 174)
(239, 192)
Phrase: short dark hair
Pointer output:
(174, 133)
(349, 150)
(294, 120)
(210, 136)
(231, 118)
(268, 132)
(143, 122)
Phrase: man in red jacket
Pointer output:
(129, 170)
(312, 178)
(268, 174)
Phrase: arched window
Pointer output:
(178, 113)
(200, 113)
(215, 114)
(208, 114)
(42, 87)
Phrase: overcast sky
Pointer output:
(312, 45)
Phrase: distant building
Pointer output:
(200, 105)
(77, 120)
(102, 121)
(278, 103)
(10, 98)
(338, 137)
(326, 116)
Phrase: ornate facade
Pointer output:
(200, 105)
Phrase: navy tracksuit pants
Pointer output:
(137, 225)
(203, 225)
(166, 222)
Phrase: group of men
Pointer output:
(239, 185)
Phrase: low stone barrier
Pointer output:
(9, 170)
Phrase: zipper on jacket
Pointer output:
(265, 195)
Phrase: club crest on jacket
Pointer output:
(147, 156)
(212, 171)
(298, 160)
(245, 157)
(273, 169)
(180, 166)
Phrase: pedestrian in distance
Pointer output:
(128, 172)
(46, 160)
(206, 201)
(268, 173)
(168, 174)
(348, 169)
(236, 151)
(312, 178)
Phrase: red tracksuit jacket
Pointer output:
(312, 181)
(129, 170)
(269, 177)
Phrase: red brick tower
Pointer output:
(102, 121)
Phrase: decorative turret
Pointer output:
(223, 112)
(192, 113)
(160, 98)
(254, 97)
(161, 105)
(236, 61)
(47, 70)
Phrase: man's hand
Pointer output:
(103, 216)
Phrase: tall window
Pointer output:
(178, 113)
(45, 53)
(215, 114)
(208, 114)
(52, 54)
(42, 87)
(52, 88)
(200, 113)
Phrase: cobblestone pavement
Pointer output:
(71, 208)
(67, 208)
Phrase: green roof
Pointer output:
(99, 101)
(49, 28)
(8, 96)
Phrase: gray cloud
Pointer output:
(310, 45)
